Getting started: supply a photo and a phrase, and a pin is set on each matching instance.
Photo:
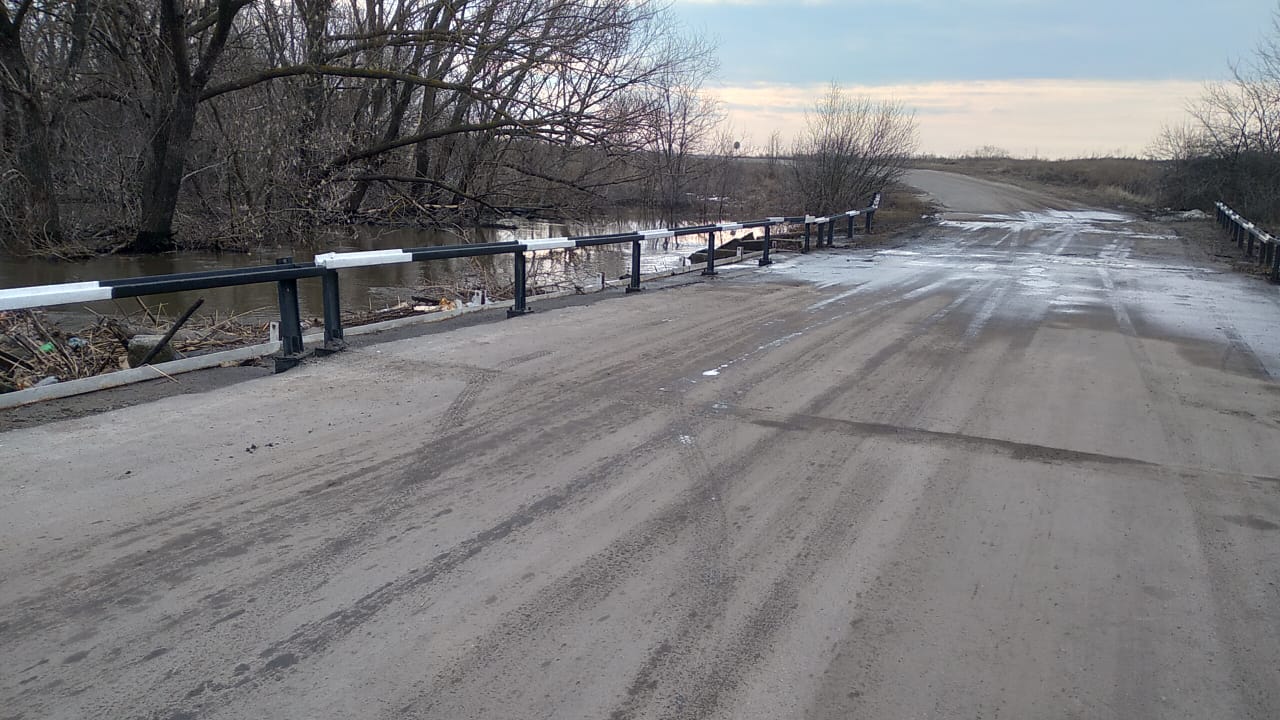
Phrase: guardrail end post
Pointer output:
(870, 214)
(634, 285)
(290, 322)
(290, 317)
(711, 254)
(764, 259)
(333, 340)
(521, 306)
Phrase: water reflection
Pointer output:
(367, 288)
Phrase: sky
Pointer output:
(1037, 78)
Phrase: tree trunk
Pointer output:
(162, 177)
(180, 87)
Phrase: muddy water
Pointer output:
(368, 288)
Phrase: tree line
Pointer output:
(134, 120)
(146, 125)
(1229, 147)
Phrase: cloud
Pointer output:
(1048, 118)
(758, 3)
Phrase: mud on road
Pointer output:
(1023, 465)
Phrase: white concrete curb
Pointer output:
(135, 375)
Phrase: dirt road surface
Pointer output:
(1024, 464)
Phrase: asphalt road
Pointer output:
(1023, 464)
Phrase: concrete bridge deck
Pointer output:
(1022, 465)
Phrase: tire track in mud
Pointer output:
(856, 663)
(456, 414)
(341, 502)
(835, 528)
(148, 569)
(347, 541)
(697, 511)
(691, 632)
(318, 636)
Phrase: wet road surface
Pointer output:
(1024, 464)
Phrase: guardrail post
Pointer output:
(850, 218)
(805, 248)
(290, 317)
(870, 214)
(1275, 262)
(831, 233)
(634, 285)
(764, 260)
(521, 305)
(1248, 251)
(711, 254)
(332, 311)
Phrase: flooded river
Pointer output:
(362, 288)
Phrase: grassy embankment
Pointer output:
(1128, 184)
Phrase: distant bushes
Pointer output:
(1230, 148)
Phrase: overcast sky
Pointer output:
(1054, 78)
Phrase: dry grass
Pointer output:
(901, 208)
(1122, 183)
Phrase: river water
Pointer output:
(362, 288)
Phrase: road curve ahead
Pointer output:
(1024, 465)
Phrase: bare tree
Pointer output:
(774, 152)
(850, 148)
(234, 118)
(186, 62)
(28, 133)
(677, 124)
(1230, 148)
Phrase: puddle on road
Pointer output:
(1055, 272)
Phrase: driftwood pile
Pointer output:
(36, 351)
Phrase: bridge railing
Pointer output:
(1246, 235)
(286, 273)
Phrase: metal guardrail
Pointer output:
(286, 273)
(1245, 233)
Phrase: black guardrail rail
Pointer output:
(286, 273)
(1246, 235)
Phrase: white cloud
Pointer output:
(1048, 118)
